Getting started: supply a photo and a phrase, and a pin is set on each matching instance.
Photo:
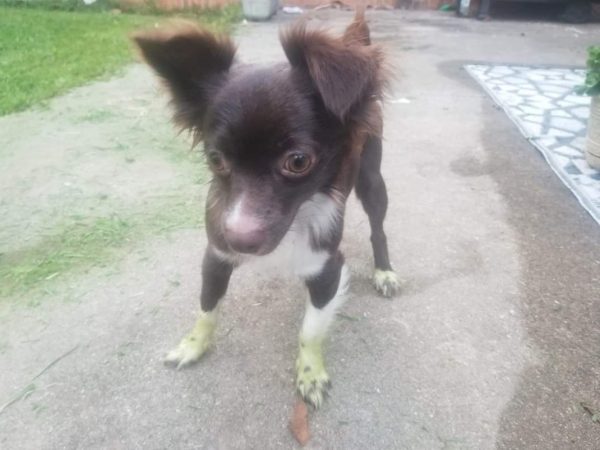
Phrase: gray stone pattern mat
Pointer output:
(542, 103)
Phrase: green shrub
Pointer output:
(591, 85)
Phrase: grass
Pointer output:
(81, 244)
(44, 53)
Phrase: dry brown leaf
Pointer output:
(299, 423)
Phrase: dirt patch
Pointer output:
(89, 176)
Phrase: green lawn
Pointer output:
(44, 53)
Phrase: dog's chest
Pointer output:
(296, 254)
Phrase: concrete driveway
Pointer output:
(494, 342)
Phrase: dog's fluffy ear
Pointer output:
(192, 61)
(358, 31)
(345, 71)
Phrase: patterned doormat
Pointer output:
(541, 102)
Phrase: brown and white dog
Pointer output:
(286, 145)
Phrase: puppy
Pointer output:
(286, 145)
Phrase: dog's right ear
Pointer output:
(345, 71)
(193, 63)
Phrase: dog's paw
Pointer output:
(194, 345)
(189, 350)
(312, 380)
(386, 282)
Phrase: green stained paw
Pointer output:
(312, 381)
(386, 282)
(195, 344)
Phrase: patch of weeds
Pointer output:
(195, 159)
(21, 395)
(591, 411)
(38, 408)
(124, 349)
(348, 317)
(77, 244)
(173, 286)
(34, 302)
(82, 245)
(97, 115)
(120, 146)
(178, 151)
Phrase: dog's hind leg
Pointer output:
(216, 273)
(327, 291)
(371, 190)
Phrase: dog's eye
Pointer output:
(297, 164)
(216, 161)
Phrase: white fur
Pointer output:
(320, 214)
(234, 215)
(241, 218)
(294, 254)
(317, 321)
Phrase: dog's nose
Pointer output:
(247, 241)
(244, 231)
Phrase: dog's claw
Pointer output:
(386, 282)
(187, 352)
(194, 345)
(312, 380)
(316, 392)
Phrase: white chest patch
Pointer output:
(317, 218)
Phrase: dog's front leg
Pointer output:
(371, 190)
(327, 292)
(216, 273)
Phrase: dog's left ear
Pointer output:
(192, 61)
(344, 72)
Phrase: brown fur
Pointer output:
(189, 59)
(323, 103)
(280, 140)
(332, 64)
(358, 31)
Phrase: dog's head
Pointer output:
(274, 136)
